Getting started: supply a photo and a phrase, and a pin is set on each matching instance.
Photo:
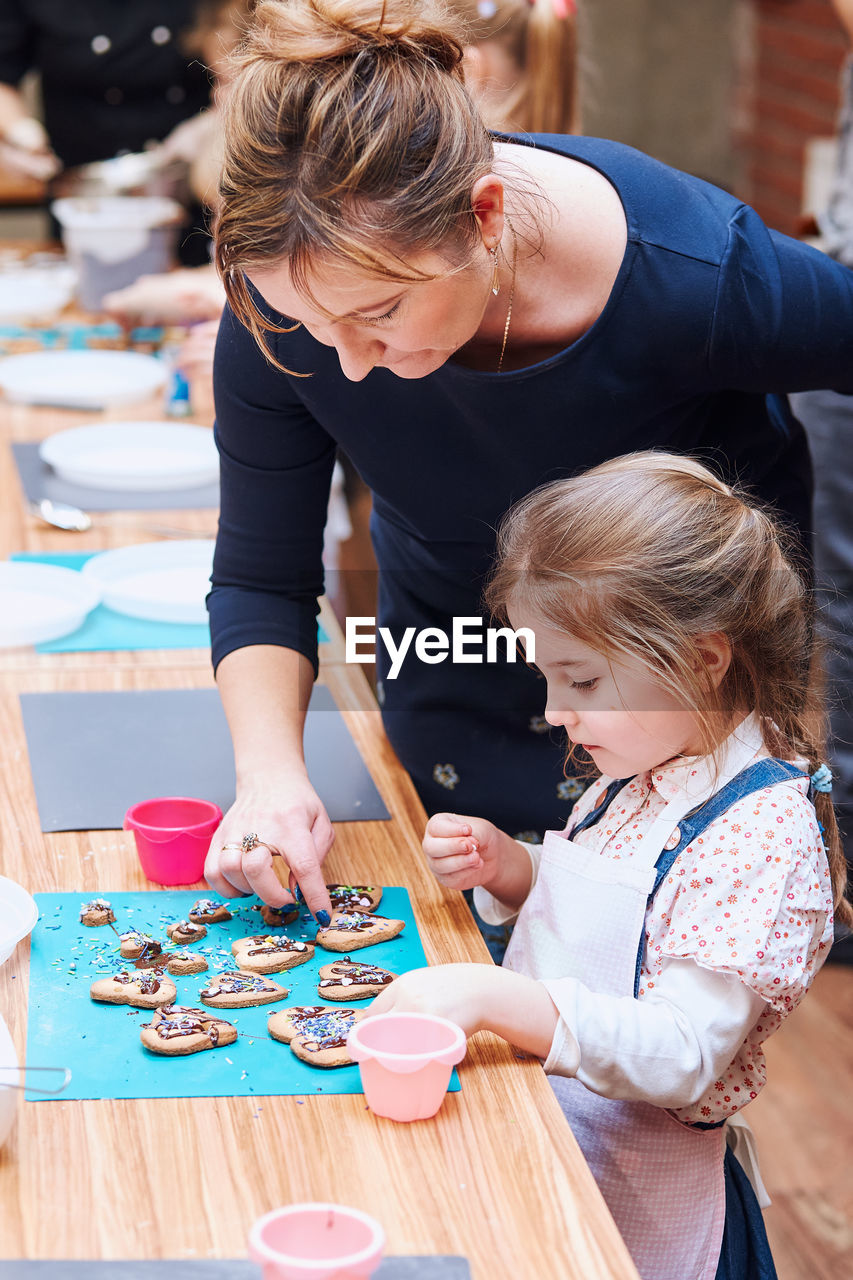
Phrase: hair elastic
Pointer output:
(821, 779)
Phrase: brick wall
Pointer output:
(792, 96)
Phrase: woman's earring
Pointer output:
(496, 280)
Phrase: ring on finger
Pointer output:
(252, 841)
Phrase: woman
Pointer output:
(467, 317)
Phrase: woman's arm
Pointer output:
(783, 314)
(265, 692)
(276, 466)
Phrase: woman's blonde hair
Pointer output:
(540, 39)
(349, 136)
(642, 557)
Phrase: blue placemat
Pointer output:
(104, 629)
(100, 1042)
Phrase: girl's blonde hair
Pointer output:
(540, 39)
(349, 136)
(643, 556)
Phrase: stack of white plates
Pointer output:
(41, 602)
(161, 581)
(133, 456)
(80, 379)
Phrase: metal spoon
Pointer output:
(61, 515)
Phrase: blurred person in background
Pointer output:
(828, 420)
(115, 78)
(519, 63)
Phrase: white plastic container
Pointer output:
(9, 1076)
(113, 240)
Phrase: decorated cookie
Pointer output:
(351, 930)
(208, 911)
(179, 962)
(177, 1029)
(315, 1033)
(96, 913)
(266, 953)
(138, 946)
(355, 897)
(184, 931)
(275, 917)
(349, 980)
(141, 990)
(236, 989)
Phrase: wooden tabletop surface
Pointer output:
(496, 1176)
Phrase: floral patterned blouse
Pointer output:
(751, 896)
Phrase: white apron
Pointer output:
(663, 1182)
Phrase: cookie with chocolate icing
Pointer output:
(350, 980)
(277, 917)
(138, 946)
(351, 930)
(317, 1034)
(355, 897)
(270, 953)
(140, 990)
(177, 1029)
(180, 962)
(237, 989)
(184, 932)
(96, 913)
(208, 911)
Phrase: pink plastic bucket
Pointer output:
(173, 836)
(405, 1060)
(316, 1242)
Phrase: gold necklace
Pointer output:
(511, 296)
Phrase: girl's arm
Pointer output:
(478, 997)
(666, 1049)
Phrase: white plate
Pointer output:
(80, 379)
(162, 581)
(42, 602)
(133, 455)
(18, 915)
(29, 295)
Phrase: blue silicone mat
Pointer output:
(100, 1042)
(104, 629)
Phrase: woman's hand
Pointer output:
(289, 818)
(25, 149)
(461, 851)
(182, 297)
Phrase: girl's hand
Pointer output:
(461, 851)
(460, 992)
(477, 997)
(288, 817)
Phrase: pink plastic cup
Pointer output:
(316, 1242)
(173, 836)
(405, 1060)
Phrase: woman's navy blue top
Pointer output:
(711, 319)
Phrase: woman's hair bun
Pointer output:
(324, 30)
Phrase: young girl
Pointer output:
(520, 63)
(683, 913)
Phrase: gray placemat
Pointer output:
(432, 1267)
(93, 755)
(41, 481)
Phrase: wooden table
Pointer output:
(496, 1176)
